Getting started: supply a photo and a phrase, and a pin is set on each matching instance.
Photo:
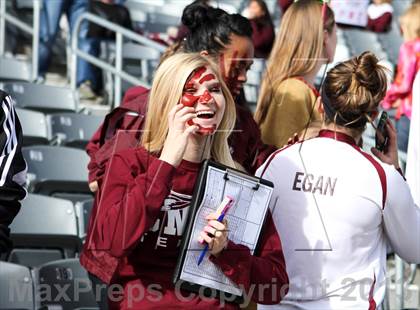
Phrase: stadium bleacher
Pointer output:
(19, 279)
(49, 230)
(68, 273)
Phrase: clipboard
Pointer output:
(214, 182)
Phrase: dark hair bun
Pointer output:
(195, 15)
(355, 88)
(210, 28)
(366, 70)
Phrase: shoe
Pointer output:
(86, 92)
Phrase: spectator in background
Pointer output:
(284, 4)
(399, 94)
(379, 15)
(87, 74)
(305, 42)
(12, 169)
(262, 27)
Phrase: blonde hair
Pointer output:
(410, 23)
(354, 89)
(297, 48)
(166, 92)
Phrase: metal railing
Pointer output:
(34, 31)
(117, 69)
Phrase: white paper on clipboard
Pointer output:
(245, 221)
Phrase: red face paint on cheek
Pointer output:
(206, 97)
(189, 100)
(232, 74)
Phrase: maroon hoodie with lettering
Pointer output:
(139, 222)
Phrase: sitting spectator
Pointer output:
(262, 27)
(379, 15)
(399, 94)
(12, 169)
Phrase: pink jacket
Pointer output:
(400, 92)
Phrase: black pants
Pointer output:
(101, 298)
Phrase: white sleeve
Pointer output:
(401, 218)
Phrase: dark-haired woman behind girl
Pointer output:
(345, 204)
(262, 27)
(227, 38)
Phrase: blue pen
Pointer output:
(223, 208)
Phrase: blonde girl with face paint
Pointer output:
(147, 193)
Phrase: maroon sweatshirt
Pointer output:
(284, 4)
(262, 37)
(380, 24)
(140, 220)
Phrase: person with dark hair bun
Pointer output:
(340, 206)
(225, 37)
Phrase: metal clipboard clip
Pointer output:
(253, 179)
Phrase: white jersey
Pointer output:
(413, 152)
(335, 209)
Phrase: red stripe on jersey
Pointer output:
(380, 170)
(372, 303)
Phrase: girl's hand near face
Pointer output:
(177, 139)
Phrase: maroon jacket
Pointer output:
(140, 222)
(284, 4)
(380, 24)
(102, 144)
(262, 37)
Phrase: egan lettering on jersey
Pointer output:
(307, 182)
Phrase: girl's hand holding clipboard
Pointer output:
(219, 232)
(215, 234)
